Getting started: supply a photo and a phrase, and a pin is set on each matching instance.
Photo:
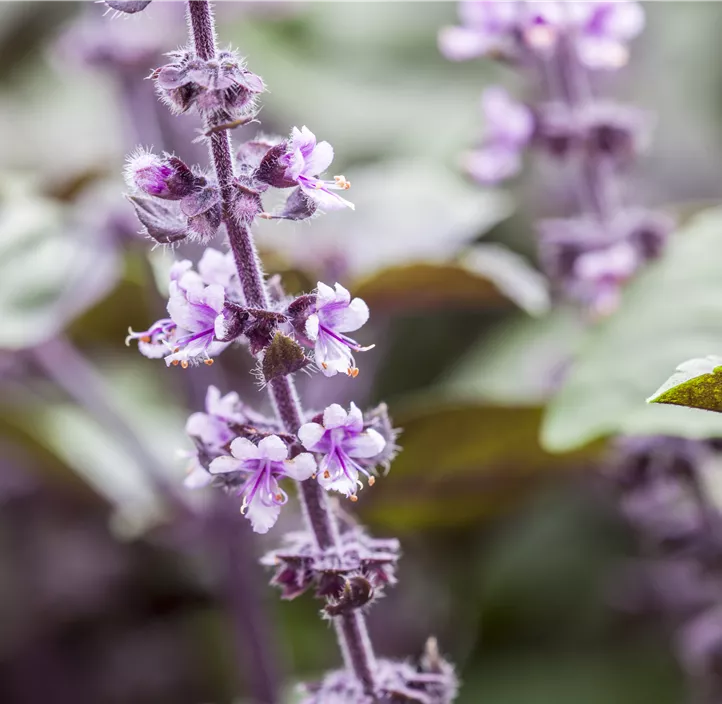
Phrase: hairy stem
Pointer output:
(354, 639)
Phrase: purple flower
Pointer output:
(342, 440)
(509, 129)
(304, 160)
(335, 313)
(487, 28)
(263, 464)
(601, 30)
(188, 336)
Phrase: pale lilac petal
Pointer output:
(334, 416)
(348, 319)
(225, 464)
(197, 478)
(214, 296)
(355, 421)
(342, 294)
(333, 357)
(324, 295)
(273, 448)
(320, 159)
(152, 350)
(244, 449)
(300, 467)
(312, 324)
(296, 165)
(179, 268)
(461, 43)
(490, 165)
(310, 434)
(366, 445)
(216, 267)
(602, 53)
(261, 515)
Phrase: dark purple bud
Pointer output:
(221, 86)
(165, 177)
(614, 132)
(161, 222)
(246, 204)
(250, 155)
(298, 207)
(298, 311)
(283, 356)
(271, 169)
(203, 210)
(356, 593)
(206, 224)
(649, 231)
(556, 129)
(130, 7)
(235, 319)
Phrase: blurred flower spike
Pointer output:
(512, 30)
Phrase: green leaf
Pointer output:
(697, 383)
(672, 311)
(50, 272)
(461, 464)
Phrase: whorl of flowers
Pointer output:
(559, 45)
(224, 301)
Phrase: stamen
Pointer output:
(327, 475)
(353, 498)
(175, 362)
(342, 183)
(176, 350)
(184, 364)
(208, 362)
(324, 365)
(265, 216)
(372, 481)
(279, 497)
(244, 506)
(352, 372)
(313, 476)
(145, 338)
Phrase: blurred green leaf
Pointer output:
(518, 362)
(408, 211)
(486, 275)
(696, 383)
(461, 464)
(672, 311)
(49, 272)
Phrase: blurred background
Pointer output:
(113, 592)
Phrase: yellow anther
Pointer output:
(341, 182)
(326, 475)
(352, 372)
(372, 481)
(353, 498)
(208, 362)
(184, 364)
(175, 362)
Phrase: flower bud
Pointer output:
(165, 177)
(283, 356)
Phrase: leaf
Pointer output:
(461, 464)
(485, 275)
(672, 311)
(50, 271)
(407, 212)
(518, 362)
(697, 383)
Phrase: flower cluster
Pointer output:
(514, 30)
(430, 681)
(226, 299)
(589, 257)
(660, 482)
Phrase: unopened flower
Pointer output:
(335, 314)
(300, 563)
(509, 127)
(304, 160)
(165, 176)
(222, 85)
(263, 465)
(347, 448)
